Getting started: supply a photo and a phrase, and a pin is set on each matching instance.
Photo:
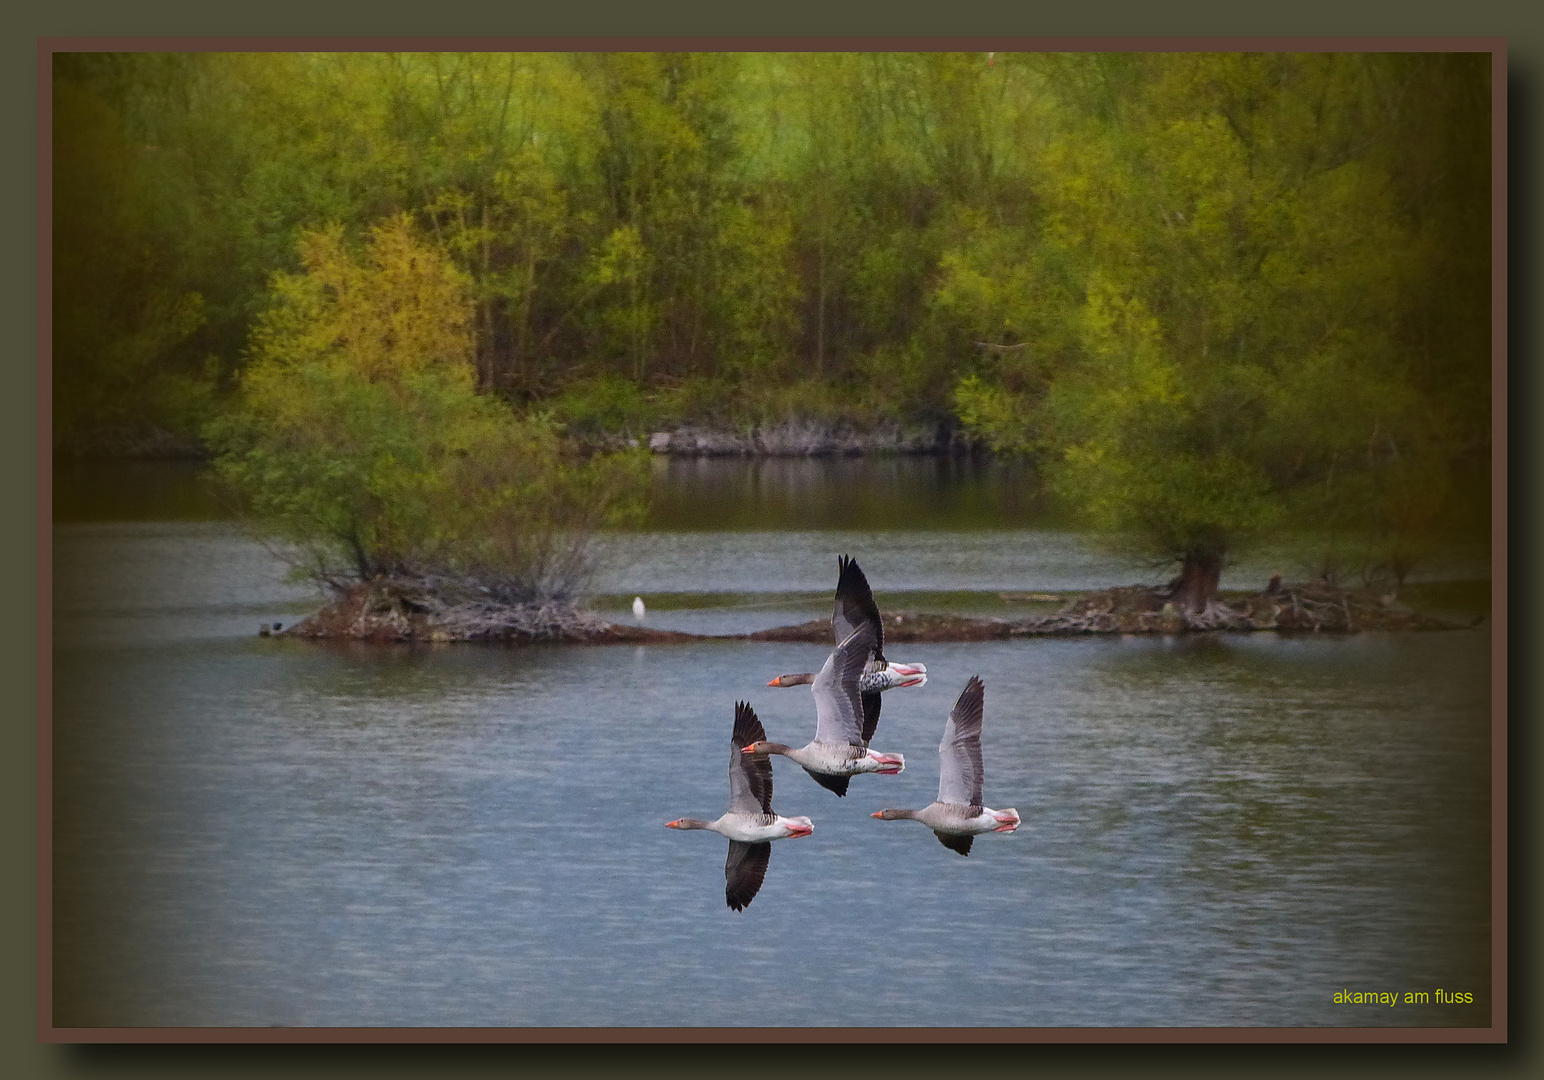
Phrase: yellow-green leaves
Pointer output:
(400, 308)
(1256, 306)
(1005, 418)
(360, 436)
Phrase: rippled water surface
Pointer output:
(1218, 830)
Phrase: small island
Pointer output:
(401, 609)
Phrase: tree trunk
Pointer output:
(362, 563)
(1197, 581)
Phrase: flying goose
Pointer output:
(959, 815)
(855, 607)
(839, 751)
(750, 822)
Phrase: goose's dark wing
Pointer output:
(837, 784)
(744, 871)
(870, 702)
(959, 754)
(838, 710)
(750, 775)
(855, 605)
(955, 842)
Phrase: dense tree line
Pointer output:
(697, 228)
(1211, 292)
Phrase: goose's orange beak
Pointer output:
(776, 682)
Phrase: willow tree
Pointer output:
(359, 434)
(1233, 266)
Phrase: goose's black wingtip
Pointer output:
(747, 727)
(974, 687)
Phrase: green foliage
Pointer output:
(121, 320)
(359, 434)
(1227, 277)
(1162, 274)
(603, 403)
(737, 218)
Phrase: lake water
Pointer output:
(1218, 830)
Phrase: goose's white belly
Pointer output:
(952, 818)
(754, 828)
(840, 759)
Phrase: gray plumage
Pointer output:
(959, 754)
(959, 814)
(838, 707)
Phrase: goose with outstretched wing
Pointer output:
(750, 823)
(855, 607)
(839, 750)
(959, 816)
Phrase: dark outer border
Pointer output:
(1497, 1032)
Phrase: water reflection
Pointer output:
(868, 493)
(887, 492)
(111, 490)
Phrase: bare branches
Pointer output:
(1313, 607)
(428, 607)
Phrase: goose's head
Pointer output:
(765, 746)
(801, 679)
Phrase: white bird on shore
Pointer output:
(638, 608)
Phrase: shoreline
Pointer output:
(789, 437)
(402, 612)
(798, 438)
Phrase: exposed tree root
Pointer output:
(441, 609)
(1315, 606)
